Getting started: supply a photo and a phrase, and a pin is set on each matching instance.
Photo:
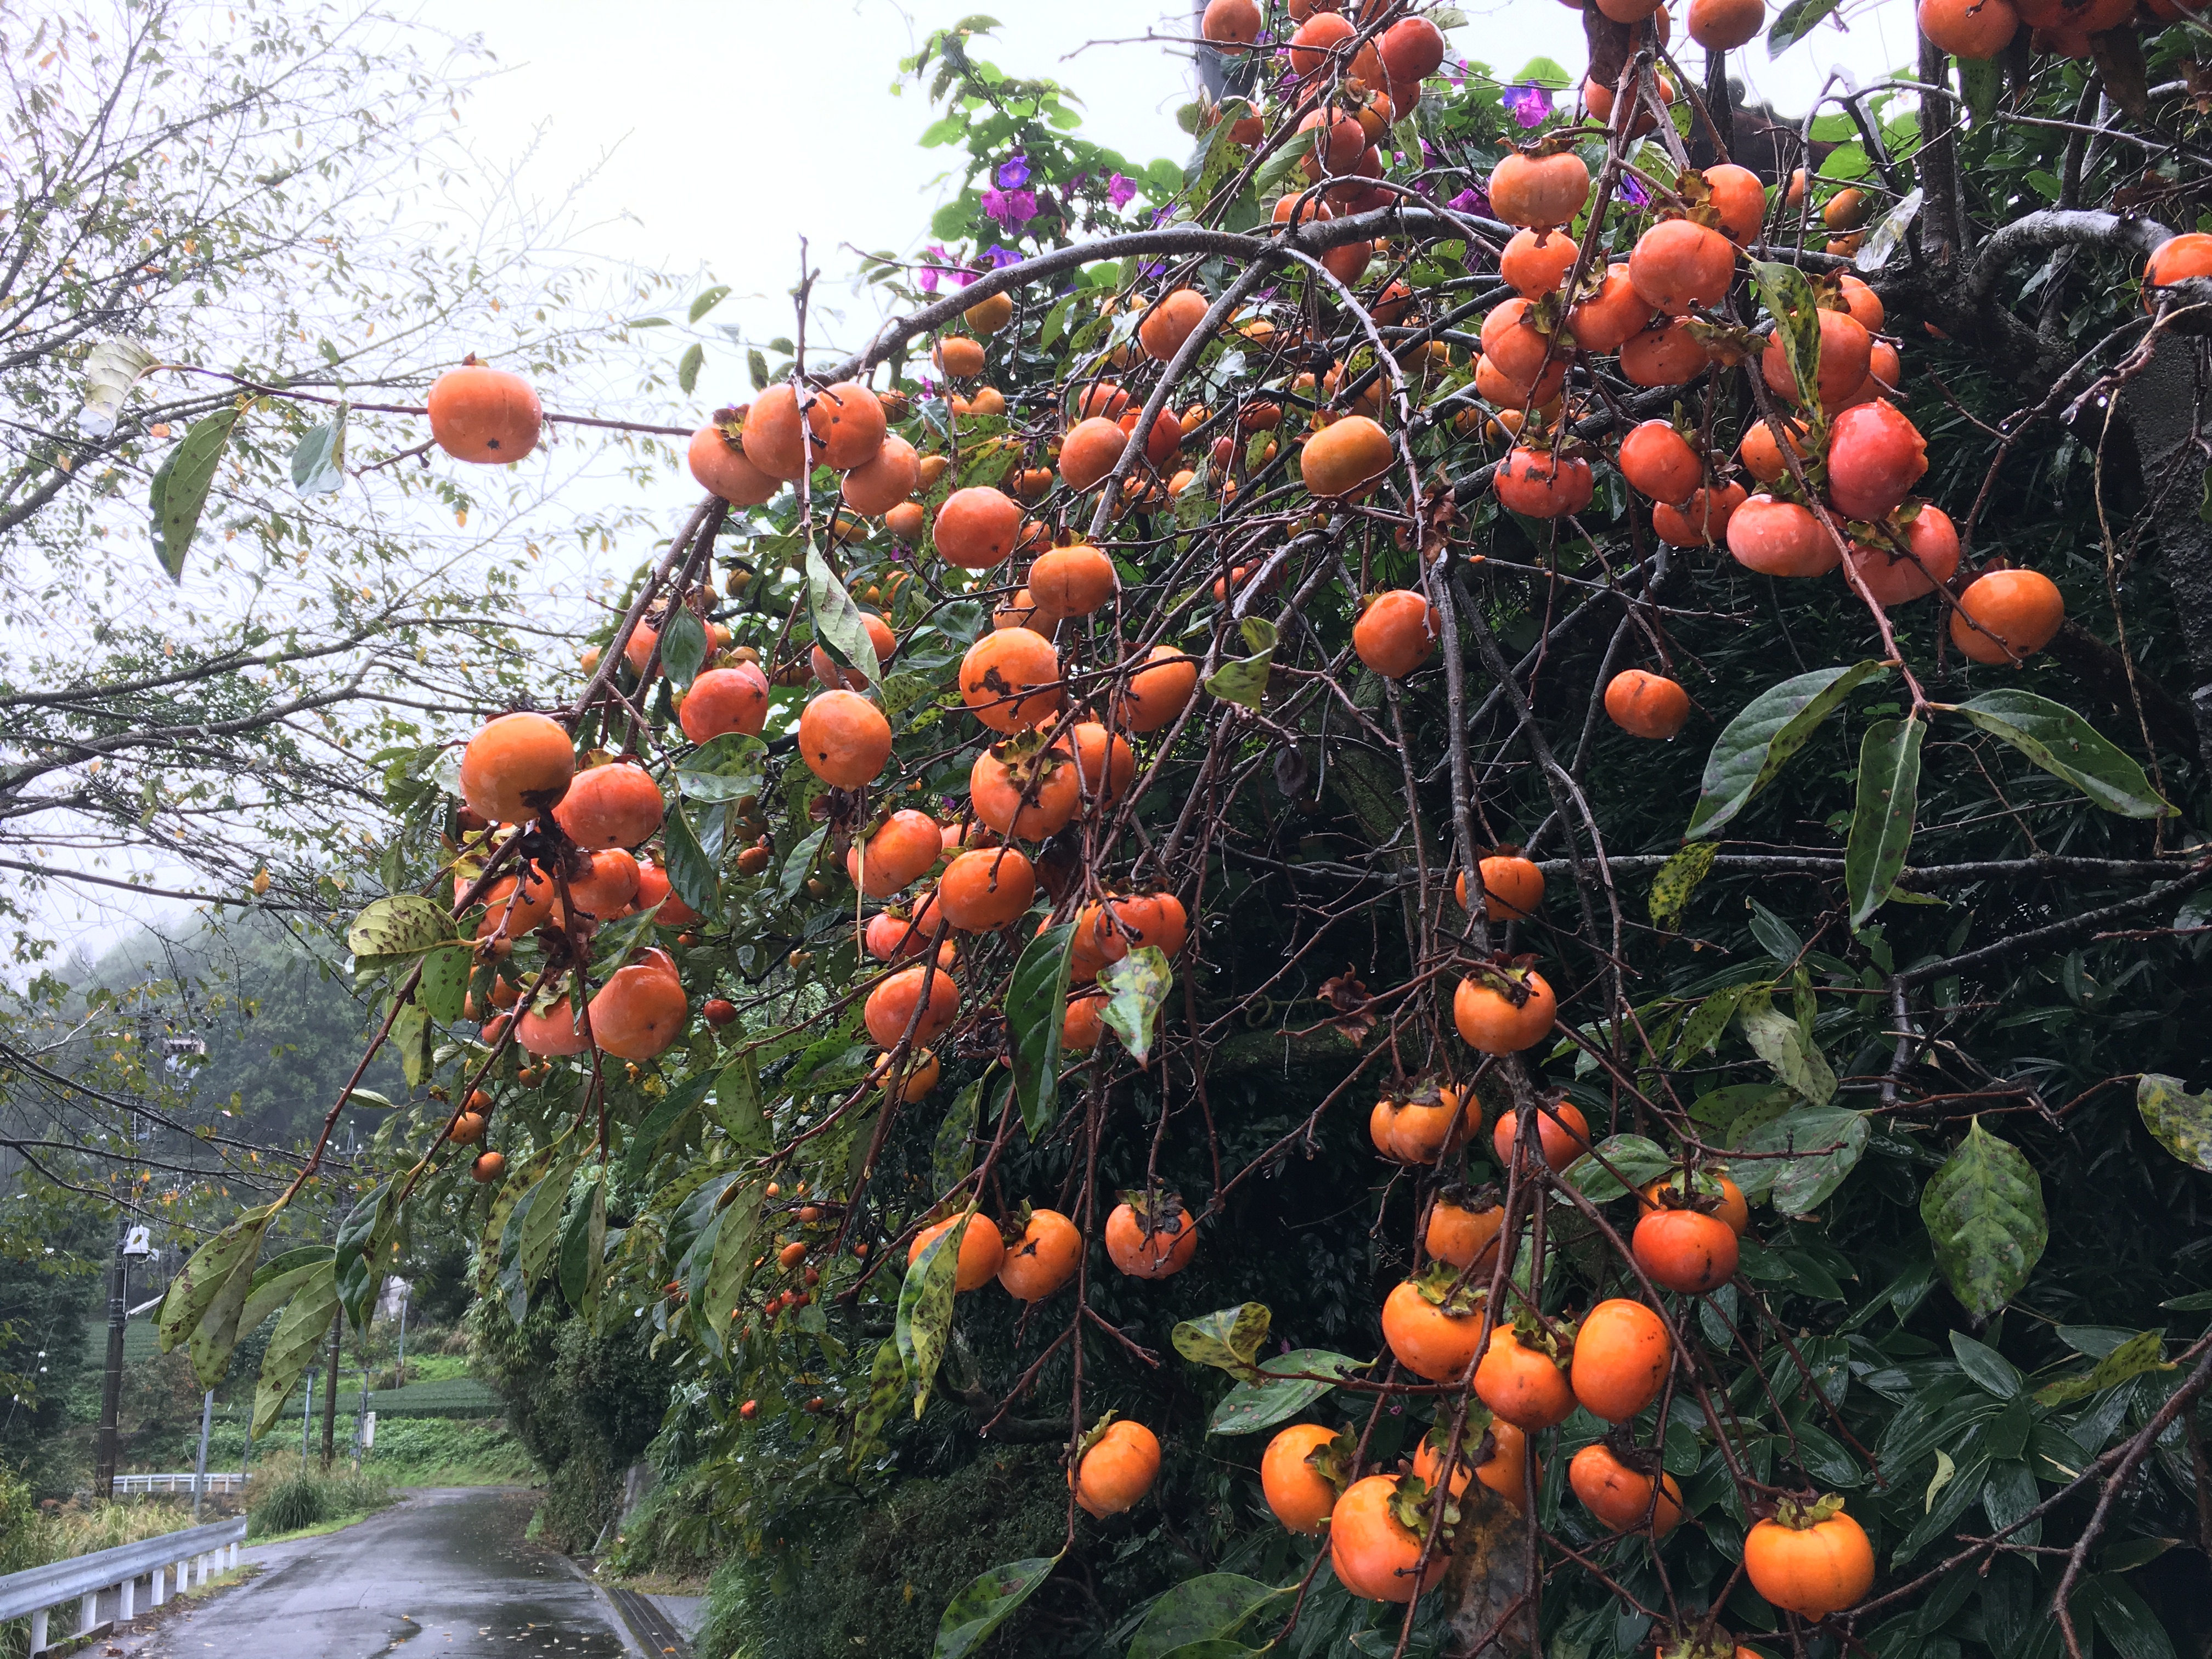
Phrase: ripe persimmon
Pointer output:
(1028, 796)
(982, 1249)
(1658, 462)
(959, 356)
(1412, 50)
(488, 1167)
(889, 936)
(468, 1129)
(1081, 1030)
(1043, 1258)
(1562, 1134)
(828, 674)
(1813, 1559)
(1339, 461)
(2021, 609)
(483, 414)
(1874, 457)
(721, 468)
(1372, 1550)
(1433, 1121)
(1622, 1498)
(1538, 191)
(1159, 691)
(558, 1030)
(1622, 1353)
(2175, 260)
(1931, 556)
(1542, 483)
(1513, 343)
(1522, 1383)
(846, 422)
(653, 891)
(1762, 455)
(1686, 1251)
(608, 887)
(1297, 1489)
(1535, 262)
(843, 739)
(1118, 1470)
(986, 889)
(519, 904)
(977, 527)
(775, 437)
(1462, 1235)
(1497, 1456)
(1730, 1206)
(1778, 537)
(1314, 41)
(1154, 1244)
(639, 1012)
(1845, 350)
(516, 767)
(1724, 25)
(1646, 705)
(899, 853)
(1611, 314)
(1703, 518)
(990, 313)
(1679, 264)
(892, 1003)
(1103, 764)
(1432, 1338)
(1090, 451)
(1396, 633)
(724, 700)
(1493, 1022)
(1230, 25)
(1174, 319)
(1072, 581)
(1669, 354)
(879, 485)
(1011, 680)
(617, 805)
(1513, 887)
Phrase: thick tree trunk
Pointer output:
(1487, 1585)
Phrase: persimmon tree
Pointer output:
(1487, 841)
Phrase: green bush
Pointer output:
(289, 1503)
(880, 1573)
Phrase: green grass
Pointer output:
(410, 1451)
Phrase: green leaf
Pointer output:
(737, 1105)
(1275, 171)
(1703, 1029)
(412, 1036)
(364, 1240)
(1243, 680)
(1740, 1108)
(1983, 1213)
(730, 1267)
(318, 461)
(1774, 725)
(2124, 1619)
(1036, 1006)
(886, 1383)
(690, 872)
(1982, 80)
(402, 925)
(650, 1136)
(1780, 1042)
(723, 768)
(1882, 820)
(1163, 181)
(684, 646)
(924, 1322)
(2178, 1121)
(110, 369)
(583, 1237)
(492, 1247)
(689, 365)
(838, 627)
(987, 1603)
(1209, 1608)
(533, 1231)
(2144, 1351)
(275, 1283)
(1824, 1148)
(215, 1284)
(1641, 1160)
(757, 369)
(1797, 21)
(1788, 298)
(182, 488)
(1678, 878)
(951, 1156)
(1136, 988)
(707, 301)
(1255, 1405)
(303, 1330)
(1230, 1339)
(444, 988)
(2065, 745)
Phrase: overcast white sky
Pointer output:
(711, 135)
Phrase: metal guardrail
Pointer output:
(228, 1480)
(206, 1550)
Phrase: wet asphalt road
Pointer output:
(445, 1572)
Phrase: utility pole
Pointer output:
(306, 1419)
(199, 1467)
(331, 1393)
(111, 1389)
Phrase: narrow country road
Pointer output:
(447, 1571)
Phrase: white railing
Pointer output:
(196, 1555)
(128, 1485)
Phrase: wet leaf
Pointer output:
(1779, 1041)
(684, 646)
(364, 1241)
(739, 1108)
(1641, 1161)
(533, 1233)
(838, 626)
(110, 369)
(2178, 1121)
(708, 299)
(1882, 820)
(1209, 1608)
(647, 1139)
(723, 768)
(491, 1247)
(220, 1270)
(690, 872)
(1036, 1006)
(729, 1264)
(578, 1258)
(1983, 1213)
(2065, 745)
(1257, 1404)
(1678, 878)
(689, 365)
(1771, 727)
(924, 1323)
(1796, 21)
(1828, 1145)
(2144, 1351)
(402, 925)
(1230, 1339)
(886, 1383)
(1703, 1029)
(1243, 680)
(987, 1603)
(275, 1282)
(1136, 988)
(444, 987)
(299, 1335)
(1787, 295)
(183, 485)
(318, 460)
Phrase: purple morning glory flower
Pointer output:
(1002, 257)
(1154, 272)
(928, 279)
(1120, 192)
(1530, 104)
(1009, 208)
(1471, 200)
(1014, 172)
(1633, 192)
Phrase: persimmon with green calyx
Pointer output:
(982, 1249)
(1620, 1495)
(899, 852)
(1622, 1353)
(1810, 1558)
(1375, 1535)
(1491, 1451)
(1522, 1378)
(1151, 1235)
(1433, 1328)
(1116, 1466)
(1503, 1010)
(1303, 1472)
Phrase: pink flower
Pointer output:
(1120, 192)
(1009, 208)
(1530, 104)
